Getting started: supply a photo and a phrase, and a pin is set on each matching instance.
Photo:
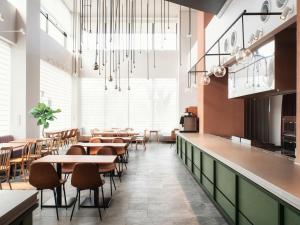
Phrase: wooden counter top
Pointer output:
(275, 173)
(15, 203)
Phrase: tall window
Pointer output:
(56, 91)
(150, 104)
(5, 84)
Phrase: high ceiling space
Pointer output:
(173, 10)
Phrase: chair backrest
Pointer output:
(5, 154)
(43, 176)
(94, 150)
(76, 150)
(118, 140)
(86, 176)
(106, 151)
(29, 149)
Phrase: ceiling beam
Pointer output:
(211, 6)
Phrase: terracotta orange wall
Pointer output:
(298, 84)
(218, 115)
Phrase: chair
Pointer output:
(121, 152)
(54, 145)
(86, 177)
(108, 168)
(141, 140)
(94, 150)
(43, 176)
(25, 160)
(74, 134)
(67, 168)
(5, 154)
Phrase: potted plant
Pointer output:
(44, 114)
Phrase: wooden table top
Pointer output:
(11, 145)
(26, 140)
(112, 138)
(14, 203)
(77, 159)
(275, 173)
(113, 145)
(115, 133)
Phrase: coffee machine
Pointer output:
(189, 121)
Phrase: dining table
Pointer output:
(30, 140)
(58, 160)
(101, 145)
(115, 133)
(11, 145)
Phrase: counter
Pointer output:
(16, 206)
(248, 185)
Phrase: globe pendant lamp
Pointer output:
(243, 55)
(205, 80)
(220, 71)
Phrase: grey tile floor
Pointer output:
(155, 190)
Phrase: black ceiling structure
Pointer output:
(211, 6)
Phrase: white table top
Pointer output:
(14, 203)
(77, 159)
(113, 145)
(275, 173)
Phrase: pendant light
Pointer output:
(168, 15)
(148, 75)
(153, 35)
(141, 26)
(91, 15)
(96, 66)
(128, 78)
(189, 35)
(205, 79)
(220, 70)
(180, 24)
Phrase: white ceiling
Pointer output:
(174, 8)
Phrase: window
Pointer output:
(5, 84)
(149, 104)
(56, 91)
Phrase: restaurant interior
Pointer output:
(159, 112)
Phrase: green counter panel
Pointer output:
(291, 217)
(208, 167)
(256, 205)
(225, 181)
(225, 204)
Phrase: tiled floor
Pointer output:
(155, 190)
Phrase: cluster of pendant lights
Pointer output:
(119, 17)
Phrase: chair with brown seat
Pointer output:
(108, 168)
(43, 176)
(5, 154)
(94, 150)
(67, 168)
(86, 177)
(121, 152)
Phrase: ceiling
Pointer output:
(174, 8)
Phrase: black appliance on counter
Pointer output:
(189, 123)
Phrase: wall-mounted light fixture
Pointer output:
(1, 18)
(286, 11)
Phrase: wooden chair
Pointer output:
(141, 140)
(121, 152)
(108, 168)
(24, 161)
(86, 177)
(5, 154)
(43, 176)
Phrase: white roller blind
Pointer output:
(56, 91)
(150, 104)
(5, 87)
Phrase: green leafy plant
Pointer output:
(44, 114)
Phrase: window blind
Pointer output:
(150, 104)
(56, 91)
(5, 87)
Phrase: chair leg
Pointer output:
(74, 205)
(41, 199)
(78, 199)
(110, 182)
(8, 179)
(0, 185)
(54, 193)
(112, 178)
(98, 205)
(103, 202)
(15, 170)
(64, 189)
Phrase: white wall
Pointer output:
(275, 120)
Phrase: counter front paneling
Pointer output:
(247, 184)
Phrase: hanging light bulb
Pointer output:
(205, 80)
(110, 78)
(105, 88)
(220, 71)
(96, 66)
(242, 55)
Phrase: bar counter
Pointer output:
(248, 185)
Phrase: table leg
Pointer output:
(58, 189)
